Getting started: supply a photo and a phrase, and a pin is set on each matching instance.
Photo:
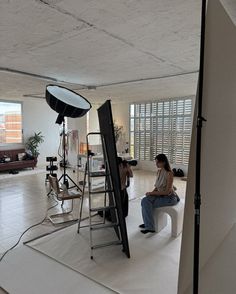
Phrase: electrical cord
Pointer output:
(35, 225)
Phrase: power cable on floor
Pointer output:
(35, 225)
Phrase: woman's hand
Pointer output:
(148, 193)
(153, 193)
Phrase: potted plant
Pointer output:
(33, 143)
(117, 130)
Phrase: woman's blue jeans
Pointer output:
(148, 203)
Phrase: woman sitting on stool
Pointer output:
(162, 195)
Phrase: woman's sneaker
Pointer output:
(147, 231)
(142, 226)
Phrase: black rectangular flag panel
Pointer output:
(107, 130)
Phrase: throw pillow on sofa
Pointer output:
(7, 159)
(21, 156)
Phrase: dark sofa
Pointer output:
(15, 164)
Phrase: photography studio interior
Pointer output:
(117, 146)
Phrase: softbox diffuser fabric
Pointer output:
(66, 102)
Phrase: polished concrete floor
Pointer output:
(23, 202)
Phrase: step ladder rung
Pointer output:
(103, 226)
(98, 174)
(118, 242)
(102, 208)
(101, 192)
(105, 190)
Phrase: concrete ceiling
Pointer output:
(180, 86)
(130, 49)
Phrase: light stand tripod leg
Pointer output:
(75, 185)
(65, 176)
(82, 199)
(90, 216)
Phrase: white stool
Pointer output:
(176, 212)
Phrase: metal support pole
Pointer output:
(65, 177)
(200, 119)
(64, 154)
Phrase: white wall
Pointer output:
(218, 164)
(38, 116)
(79, 124)
(120, 113)
(151, 166)
(93, 124)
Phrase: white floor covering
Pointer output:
(24, 172)
(152, 268)
(218, 274)
(26, 271)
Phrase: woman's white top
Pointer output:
(161, 181)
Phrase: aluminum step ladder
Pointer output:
(107, 190)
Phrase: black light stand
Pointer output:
(65, 177)
(51, 167)
(200, 119)
(66, 103)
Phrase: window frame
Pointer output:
(171, 133)
(20, 144)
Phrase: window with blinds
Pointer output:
(162, 126)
